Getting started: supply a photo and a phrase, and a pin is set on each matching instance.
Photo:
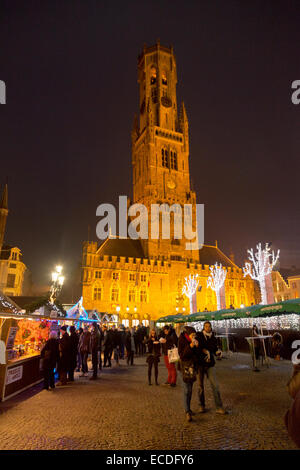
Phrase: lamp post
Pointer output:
(57, 283)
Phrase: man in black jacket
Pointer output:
(208, 348)
(108, 345)
(94, 347)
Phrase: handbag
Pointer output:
(188, 371)
(173, 355)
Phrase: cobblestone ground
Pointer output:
(121, 411)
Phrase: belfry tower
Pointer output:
(160, 150)
(3, 214)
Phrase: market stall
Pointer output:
(236, 324)
(23, 339)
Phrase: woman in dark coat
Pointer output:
(64, 356)
(50, 356)
(153, 355)
(188, 349)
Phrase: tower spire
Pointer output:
(4, 199)
(3, 214)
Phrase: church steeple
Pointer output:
(157, 78)
(3, 214)
(160, 147)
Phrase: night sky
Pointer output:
(70, 69)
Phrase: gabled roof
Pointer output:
(286, 273)
(209, 255)
(121, 247)
(7, 305)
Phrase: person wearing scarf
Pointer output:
(208, 348)
(187, 350)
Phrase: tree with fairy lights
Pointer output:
(262, 264)
(216, 281)
(190, 287)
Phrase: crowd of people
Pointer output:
(72, 349)
(193, 353)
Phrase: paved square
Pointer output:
(121, 411)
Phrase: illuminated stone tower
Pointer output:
(3, 214)
(160, 149)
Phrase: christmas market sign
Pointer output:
(14, 374)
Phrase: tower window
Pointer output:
(164, 78)
(153, 75)
(154, 95)
(164, 158)
(174, 160)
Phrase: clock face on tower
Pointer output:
(171, 184)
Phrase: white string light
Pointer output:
(190, 287)
(216, 281)
(261, 267)
(276, 322)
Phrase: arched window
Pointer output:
(131, 295)
(143, 296)
(164, 158)
(115, 295)
(153, 75)
(97, 293)
(164, 80)
(173, 160)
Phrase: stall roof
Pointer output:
(7, 305)
(18, 316)
(279, 308)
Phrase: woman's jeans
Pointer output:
(187, 395)
(211, 375)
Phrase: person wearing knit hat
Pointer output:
(189, 330)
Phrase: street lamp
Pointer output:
(57, 283)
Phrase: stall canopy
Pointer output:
(279, 308)
(78, 311)
(8, 306)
